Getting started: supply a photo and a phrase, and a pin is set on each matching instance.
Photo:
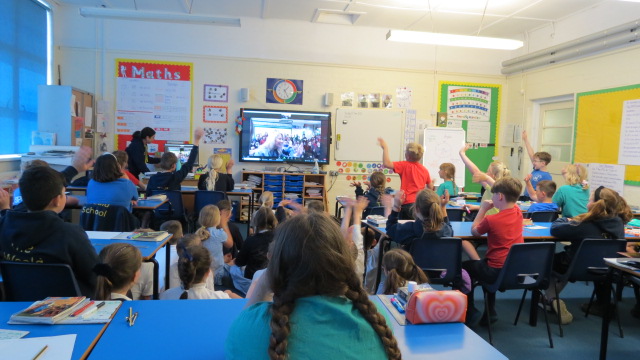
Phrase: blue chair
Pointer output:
(455, 214)
(376, 210)
(31, 281)
(173, 209)
(543, 216)
(105, 217)
(204, 198)
(435, 256)
(528, 267)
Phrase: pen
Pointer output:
(79, 311)
(92, 309)
(39, 354)
(397, 305)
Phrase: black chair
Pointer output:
(204, 198)
(528, 267)
(455, 214)
(435, 256)
(376, 210)
(105, 217)
(543, 216)
(588, 265)
(31, 282)
(173, 209)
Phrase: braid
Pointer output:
(281, 310)
(368, 310)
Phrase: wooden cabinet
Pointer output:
(295, 186)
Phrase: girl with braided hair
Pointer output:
(118, 271)
(399, 267)
(319, 308)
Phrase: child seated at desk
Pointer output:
(539, 160)
(194, 267)
(573, 197)
(238, 241)
(186, 241)
(109, 185)
(317, 300)
(18, 205)
(254, 252)
(118, 271)
(216, 178)
(496, 171)
(214, 239)
(376, 185)
(123, 161)
(399, 267)
(503, 230)
(542, 195)
(169, 178)
(448, 174)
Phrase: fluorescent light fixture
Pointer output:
(339, 17)
(105, 13)
(453, 40)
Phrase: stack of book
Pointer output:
(66, 310)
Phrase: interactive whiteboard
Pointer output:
(442, 145)
(358, 130)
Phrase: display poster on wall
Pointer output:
(629, 152)
(157, 94)
(469, 103)
(607, 175)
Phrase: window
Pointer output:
(556, 133)
(24, 63)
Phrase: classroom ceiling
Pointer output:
(496, 18)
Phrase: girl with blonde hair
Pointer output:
(215, 238)
(574, 196)
(217, 178)
(496, 171)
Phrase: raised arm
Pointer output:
(467, 162)
(386, 161)
(527, 144)
(530, 190)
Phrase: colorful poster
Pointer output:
(284, 91)
(156, 94)
(469, 103)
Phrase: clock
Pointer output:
(284, 91)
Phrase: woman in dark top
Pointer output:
(255, 248)
(137, 151)
(215, 179)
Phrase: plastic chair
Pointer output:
(528, 267)
(455, 214)
(31, 282)
(105, 217)
(376, 210)
(173, 209)
(588, 265)
(436, 256)
(543, 216)
(204, 198)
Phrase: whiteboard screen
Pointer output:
(358, 130)
(442, 145)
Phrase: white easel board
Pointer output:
(442, 145)
(358, 130)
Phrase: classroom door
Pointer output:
(556, 135)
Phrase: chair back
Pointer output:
(590, 258)
(105, 217)
(205, 197)
(543, 216)
(173, 209)
(455, 214)
(31, 282)
(528, 266)
(436, 255)
(376, 210)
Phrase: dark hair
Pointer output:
(400, 269)
(547, 186)
(264, 219)
(607, 203)
(167, 160)
(543, 156)
(39, 185)
(106, 169)
(193, 265)
(173, 227)
(315, 206)
(311, 257)
(224, 205)
(122, 157)
(146, 132)
(120, 262)
(509, 187)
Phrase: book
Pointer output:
(49, 310)
(159, 197)
(101, 313)
(377, 220)
(142, 235)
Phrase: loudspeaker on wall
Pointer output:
(244, 94)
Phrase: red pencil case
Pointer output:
(431, 306)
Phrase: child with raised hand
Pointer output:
(311, 277)
(542, 196)
(352, 232)
(496, 171)
(194, 267)
(118, 271)
(377, 188)
(217, 178)
(168, 178)
(399, 267)
(215, 238)
(413, 175)
(448, 174)
(573, 197)
(225, 211)
(607, 214)
(254, 252)
(540, 160)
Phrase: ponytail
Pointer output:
(120, 263)
(203, 233)
(427, 207)
(193, 265)
(400, 269)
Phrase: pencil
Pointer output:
(39, 354)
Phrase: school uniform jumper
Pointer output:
(572, 199)
(406, 233)
(197, 291)
(449, 186)
(118, 192)
(42, 237)
(254, 253)
(172, 180)
(374, 197)
(138, 157)
(537, 176)
(224, 183)
(214, 244)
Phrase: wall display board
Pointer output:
(477, 107)
(442, 145)
(604, 123)
(157, 94)
(358, 130)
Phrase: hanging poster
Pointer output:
(469, 103)
(156, 94)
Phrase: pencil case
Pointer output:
(432, 306)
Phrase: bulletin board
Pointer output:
(358, 130)
(442, 145)
(485, 108)
(597, 127)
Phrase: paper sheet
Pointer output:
(12, 334)
(58, 348)
(102, 235)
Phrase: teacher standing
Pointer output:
(137, 151)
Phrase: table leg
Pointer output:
(167, 251)
(533, 310)
(604, 335)
(156, 279)
(249, 214)
(381, 244)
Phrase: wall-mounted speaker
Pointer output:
(244, 94)
(328, 99)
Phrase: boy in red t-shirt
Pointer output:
(503, 230)
(413, 175)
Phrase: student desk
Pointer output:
(148, 249)
(438, 341)
(170, 329)
(142, 204)
(87, 334)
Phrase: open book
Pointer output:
(142, 235)
(72, 310)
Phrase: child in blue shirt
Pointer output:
(540, 160)
(215, 238)
(542, 195)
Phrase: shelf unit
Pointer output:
(283, 184)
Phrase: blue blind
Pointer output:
(23, 66)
